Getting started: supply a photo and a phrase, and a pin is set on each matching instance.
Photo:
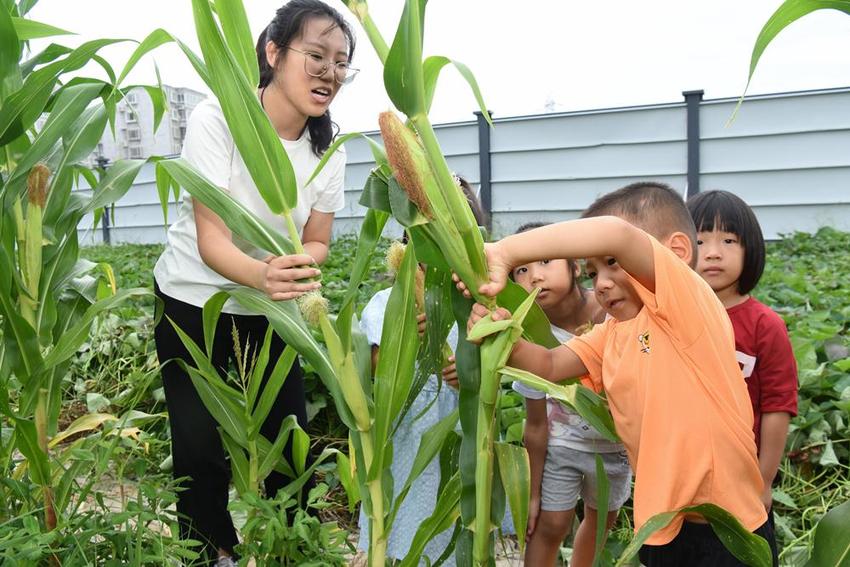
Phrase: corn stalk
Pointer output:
(48, 296)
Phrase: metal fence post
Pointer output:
(692, 100)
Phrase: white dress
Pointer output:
(420, 501)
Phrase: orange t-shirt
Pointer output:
(679, 400)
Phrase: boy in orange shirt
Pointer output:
(665, 359)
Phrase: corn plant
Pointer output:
(48, 296)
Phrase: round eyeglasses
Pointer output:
(316, 65)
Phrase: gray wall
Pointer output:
(788, 155)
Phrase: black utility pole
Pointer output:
(102, 164)
(485, 194)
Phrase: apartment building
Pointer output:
(134, 133)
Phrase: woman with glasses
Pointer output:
(304, 57)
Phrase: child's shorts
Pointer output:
(569, 473)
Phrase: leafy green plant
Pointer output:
(48, 297)
(291, 536)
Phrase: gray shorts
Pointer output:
(569, 473)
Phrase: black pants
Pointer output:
(196, 447)
(697, 545)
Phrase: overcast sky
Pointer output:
(527, 55)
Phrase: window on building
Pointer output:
(134, 134)
(131, 116)
(135, 152)
(181, 113)
(131, 98)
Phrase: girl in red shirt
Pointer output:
(731, 259)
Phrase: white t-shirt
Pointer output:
(180, 272)
(566, 427)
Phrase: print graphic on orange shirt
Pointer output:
(643, 339)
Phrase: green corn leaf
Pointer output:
(210, 315)
(399, 344)
(831, 545)
(25, 6)
(375, 194)
(296, 485)
(429, 447)
(446, 513)
(23, 107)
(157, 96)
(300, 449)
(30, 29)
(238, 463)
(469, 380)
(377, 152)
(789, 12)
(747, 547)
(586, 403)
(516, 478)
(155, 39)
(76, 335)
(602, 491)
(10, 46)
(347, 480)
(226, 413)
(403, 77)
(272, 455)
(249, 124)
(237, 34)
(431, 69)
(259, 369)
(69, 106)
(268, 397)
(205, 369)
(235, 215)
(536, 327)
(27, 443)
(370, 233)
(487, 327)
(23, 351)
(115, 184)
(403, 209)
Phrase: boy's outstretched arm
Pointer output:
(584, 238)
(559, 363)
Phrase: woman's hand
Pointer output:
(279, 279)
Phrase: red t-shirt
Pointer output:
(766, 358)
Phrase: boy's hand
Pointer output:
(478, 312)
(450, 373)
(499, 268)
